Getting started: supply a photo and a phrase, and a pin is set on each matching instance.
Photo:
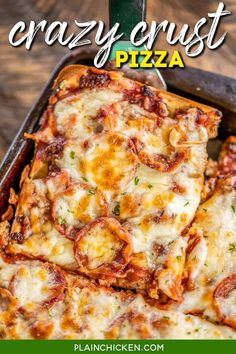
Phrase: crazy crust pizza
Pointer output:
(106, 226)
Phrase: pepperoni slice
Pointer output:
(131, 323)
(224, 300)
(161, 162)
(154, 149)
(75, 118)
(110, 161)
(75, 207)
(38, 284)
(103, 247)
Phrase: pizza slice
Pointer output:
(40, 301)
(211, 260)
(116, 178)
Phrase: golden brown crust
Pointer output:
(4, 233)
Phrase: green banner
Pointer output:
(118, 346)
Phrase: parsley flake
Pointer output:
(91, 191)
(116, 210)
(136, 180)
(84, 178)
(232, 247)
(61, 221)
(62, 84)
(233, 208)
(150, 186)
(72, 155)
(48, 310)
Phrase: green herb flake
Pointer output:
(233, 208)
(61, 221)
(232, 247)
(124, 193)
(136, 180)
(178, 258)
(84, 178)
(187, 203)
(204, 210)
(48, 310)
(150, 186)
(116, 210)
(62, 84)
(91, 191)
(72, 155)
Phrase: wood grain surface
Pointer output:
(23, 73)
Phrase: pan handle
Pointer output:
(214, 89)
(128, 13)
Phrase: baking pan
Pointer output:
(21, 150)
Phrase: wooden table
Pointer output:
(23, 73)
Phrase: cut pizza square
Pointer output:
(38, 300)
(116, 179)
(211, 253)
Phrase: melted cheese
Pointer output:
(90, 311)
(78, 205)
(99, 245)
(105, 137)
(75, 115)
(217, 222)
(53, 247)
(142, 172)
(31, 285)
(142, 321)
(109, 162)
